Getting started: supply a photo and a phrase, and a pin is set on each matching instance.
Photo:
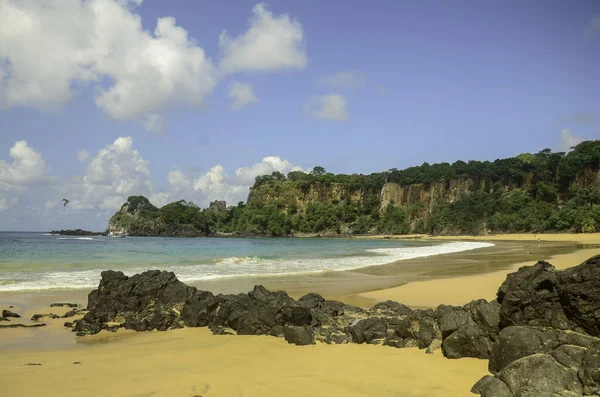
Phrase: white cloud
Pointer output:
(178, 180)
(343, 79)
(27, 166)
(242, 95)
(272, 42)
(83, 155)
(328, 107)
(217, 184)
(47, 47)
(3, 204)
(246, 175)
(567, 141)
(115, 173)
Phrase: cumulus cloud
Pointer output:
(268, 165)
(343, 79)
(217, 184)
(242, 95)
(115, 173)
(48, 47)
(27, 166)
(567, 140)
(83, 155)
(327, 107)
(272, 42)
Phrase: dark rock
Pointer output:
(517, 342)
(489, 386)
(540, 373)
(390, 309)
(36, 317)
(68, 324)
(419, 326)
(218, 330)
(199, 309)
(580, 295)
(33, 364)
(467, 341)
(72, 313)
(260, 312)
(311, 300)
(23, 325)
(8, 313)
(77, 362)
(368, 329)
(299, 336)
(63, 304)
(481, 384)
(4, 319)
(569, 355)
(144, 302)
(531, 297)
(590, 370)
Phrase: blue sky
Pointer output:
(356, 88)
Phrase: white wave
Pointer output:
(50, 234)
(75, 238)
(237, 267)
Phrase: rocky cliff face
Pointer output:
(289, 195)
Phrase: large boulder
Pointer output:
(531, 297)
(530, 361)
(260, 312)
(144, 302)
(541, 296)
(300, 336)
(470, 330)
(580, 295)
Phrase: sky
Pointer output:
(103, 99)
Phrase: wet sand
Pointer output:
(193, 362)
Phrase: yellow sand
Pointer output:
(189, 362)
(460, 290)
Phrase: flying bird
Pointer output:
(66, 202)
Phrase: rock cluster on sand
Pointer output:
(540, 335)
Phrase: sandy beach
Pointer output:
(193, 362)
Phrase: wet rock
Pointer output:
(8, 313)
(299, 336)
(4, 319)
(68, 324)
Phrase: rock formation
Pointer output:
(541, 335)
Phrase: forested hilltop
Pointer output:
(543, 192)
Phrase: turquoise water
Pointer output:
(39, 261)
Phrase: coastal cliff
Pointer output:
(536, 193)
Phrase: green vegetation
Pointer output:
(537, 193)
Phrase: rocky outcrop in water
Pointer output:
(76, 232)
(540, 335)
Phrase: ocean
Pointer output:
(38, 261)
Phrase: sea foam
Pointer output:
(234, 267)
